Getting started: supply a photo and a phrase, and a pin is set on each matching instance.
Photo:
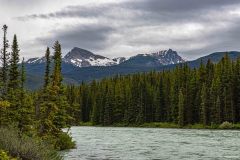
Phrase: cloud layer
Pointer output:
(124, 28)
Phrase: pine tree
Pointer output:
(23, 75)
(14, 92)
(56, 76)
(47, 68)
(58, 91)
(53, 103)
(218, 109)
(181, 111)
(4, 60)
(203, 105)
(13, 71)
(236, 89)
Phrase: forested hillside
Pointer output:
(206, 95)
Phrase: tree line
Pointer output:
(206, 95)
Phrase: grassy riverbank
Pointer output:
(224, 125)
(21, 146)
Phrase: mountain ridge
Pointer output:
(83, 58)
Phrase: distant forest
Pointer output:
(206, 95)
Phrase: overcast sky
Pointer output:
(116, 28)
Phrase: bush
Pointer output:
(226, 125)
(4, 156)
(64, 141)
(236, 126)
(159, 125)
(25, 147)
(195, 126)
(85, 124)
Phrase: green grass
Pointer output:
(85, 124)
(159, 125)
(166, 125)
(25, 147)
(4, 156)
(236, 126)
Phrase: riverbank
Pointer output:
(13, 144)
(224, 125)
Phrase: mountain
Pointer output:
(119, 60)
(73, 74)
(161, 58)
(83, 58)
(36, 60)
(214, 57)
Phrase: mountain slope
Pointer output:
(161, 58)
(214, 57)
(75, 75)
(83, 58)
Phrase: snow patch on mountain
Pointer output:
(83, 58)
(167, 57)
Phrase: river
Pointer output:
(116, 143)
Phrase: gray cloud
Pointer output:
(161, 6)
(70, 12)
(93, 37)
(193, 27)
(170, 10)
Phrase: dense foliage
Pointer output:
(38, 116)
(25, 147)
(206, 95)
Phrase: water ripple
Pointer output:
(108, 143)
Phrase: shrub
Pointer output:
(226, 125)
(236, 126)
(4, 156)
(160, 125)
(25, 147)
(85, 124)
(64, 141)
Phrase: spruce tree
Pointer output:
(23, 75)
(203, 105)
(57, 76)
(14, 92)
(47, 68)
(4, 60)
(181, 109)
(13, 70)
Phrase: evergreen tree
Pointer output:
(14, 92)
(47, 68)
(13, 70)
(181, 109)
(23, 75)
(4, 60)
(56, 76)
(203, 105)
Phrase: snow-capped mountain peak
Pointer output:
(37, 60)
(120, 60)
(167, 57)
(83, 58)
